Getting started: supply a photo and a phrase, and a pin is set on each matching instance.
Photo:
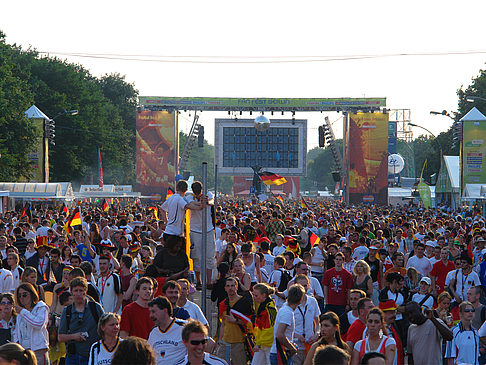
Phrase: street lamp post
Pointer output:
(432, 134)
(447, 114)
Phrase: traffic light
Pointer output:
(200, 136)
(50, 131)
(322, 139)
(456, 134)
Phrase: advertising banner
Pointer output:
(157, 152)
(474, 152)
(301, 104)
(36, 155)
(368, 158)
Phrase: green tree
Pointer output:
(17, 133)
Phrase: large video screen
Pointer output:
(280, 149)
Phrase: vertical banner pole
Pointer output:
(204, 238)
(215, 186)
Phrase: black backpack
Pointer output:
(284, 280)
(92, 308)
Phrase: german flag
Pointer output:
(304, 204)
(269, 178)
(26, 211)
(314, 239)
(170, 192)
(75, 220)
(106, 206)
(156, 212)
(65, 210)
(280, 198)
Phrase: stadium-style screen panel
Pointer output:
(280, 149)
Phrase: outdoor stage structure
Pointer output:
(281, 149)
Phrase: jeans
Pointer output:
(274, 360)
(76, 359)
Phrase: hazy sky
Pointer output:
(270, 28)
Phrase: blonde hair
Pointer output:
(366, 267)
(264, 289)
(104, 320)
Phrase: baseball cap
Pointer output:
(426, 280)
(430, 243)
(373, 248)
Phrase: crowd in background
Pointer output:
(293, 281)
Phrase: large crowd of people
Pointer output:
(294, 281)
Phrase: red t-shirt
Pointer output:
(355, 331)
(136, 321)
(339, 283)
(439, 270)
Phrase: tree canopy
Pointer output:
(106, 119)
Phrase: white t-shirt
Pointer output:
(196, 215)
(278, 250)
(422, 265)
(398, 299)
(42, 231)
(275, 278)
(304, 319)
(176, 213)
(220, 246)
(108, 292)
(360, 253)
(269, 262)
(317, 258)
(168, 345)
(195, 312)
(286, 316)
(429, 303)
(99, 354)
(464, 346)
(6, 281)
(465, 282)
(315, 288)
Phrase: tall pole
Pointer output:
(204, 238)
(215, 185)
(45, 145)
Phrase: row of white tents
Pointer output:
(12, 194)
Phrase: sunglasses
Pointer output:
(469, 310)
(23, 295)
(199, 342)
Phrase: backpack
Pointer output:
(284, 280)
(92, 308)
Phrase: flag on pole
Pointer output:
(269, 178)
(314, 239)
(188, 238)
(100, 169)
(280, 198)
(106, 206)
(170, 192)
(65, 210)
(304, 204)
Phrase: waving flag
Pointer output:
(170, 192)
(314, 239)
(106, 206)
(269, 178)
(156, 212)
(304, 204)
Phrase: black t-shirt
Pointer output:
(374, 268)
(21, 244)
(164, 260)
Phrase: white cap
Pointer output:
(426, 280)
